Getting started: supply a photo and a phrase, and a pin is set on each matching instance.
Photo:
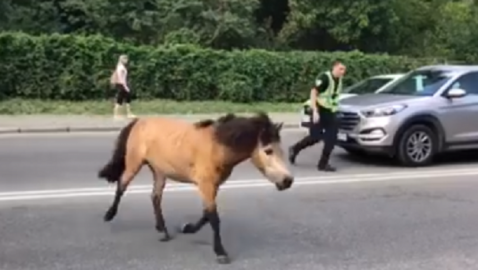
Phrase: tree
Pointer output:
(335, 25)
(420, 28)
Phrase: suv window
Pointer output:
(467, 82)
(368, 86)
(419, 83)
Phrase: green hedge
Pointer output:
(67, 67)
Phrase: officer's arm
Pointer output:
(321, 84)
(313, 98)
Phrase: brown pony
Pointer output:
(202, 153)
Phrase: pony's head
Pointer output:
(258, 138)
(268, 156)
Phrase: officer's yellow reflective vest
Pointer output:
(326, 99)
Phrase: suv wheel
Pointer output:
(417, 146)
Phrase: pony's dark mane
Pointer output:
(209, 122)
(205, 123)
(243, 133)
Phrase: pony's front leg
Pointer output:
(208, 193)
(156, 198)
(215, 221)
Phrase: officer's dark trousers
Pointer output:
(326, 129)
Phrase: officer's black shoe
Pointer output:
(327, 168)
(292, 155)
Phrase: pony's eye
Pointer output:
(268, 152)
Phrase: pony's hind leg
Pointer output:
(159, 180)
(208, 192)
(133, 165)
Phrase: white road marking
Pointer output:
(237, 184)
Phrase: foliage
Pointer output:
(235, 50)
(75, 67)
(431, 28)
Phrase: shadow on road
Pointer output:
(459, 157)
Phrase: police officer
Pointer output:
(323, 107)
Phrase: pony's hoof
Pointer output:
(109, 215)
(187, 228)
(223, 259)
(165, 238)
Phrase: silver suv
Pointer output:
(416, 117)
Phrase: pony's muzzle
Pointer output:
(286, 183)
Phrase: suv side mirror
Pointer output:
(456, 93)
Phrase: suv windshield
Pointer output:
(419, 83)
(367, 86)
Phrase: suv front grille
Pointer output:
(348, 120)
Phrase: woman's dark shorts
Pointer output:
(122, 96)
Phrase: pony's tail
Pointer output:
(113, 170)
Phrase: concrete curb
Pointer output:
(72, 129)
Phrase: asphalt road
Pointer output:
(59, 161)
(371, 215)
(62, 160)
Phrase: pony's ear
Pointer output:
(279, 126)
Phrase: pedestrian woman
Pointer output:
(119, 80)
(324, 97)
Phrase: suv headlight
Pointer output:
(384, 111)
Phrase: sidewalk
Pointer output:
(85, 123)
